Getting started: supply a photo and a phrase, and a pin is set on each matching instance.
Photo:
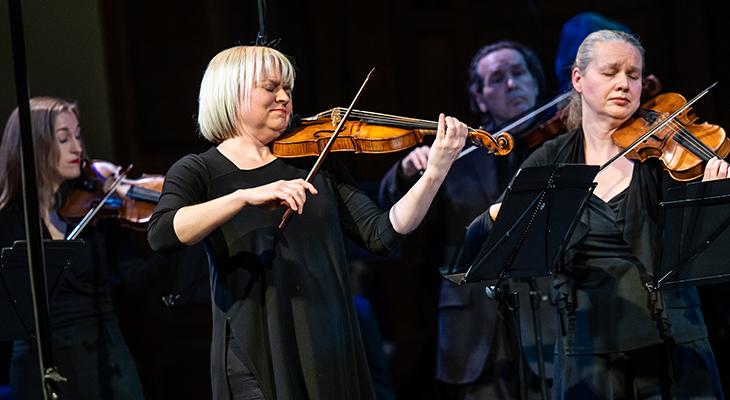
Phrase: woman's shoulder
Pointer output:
(558, 149)
(561, 141)
(194, 163)
(203, 158)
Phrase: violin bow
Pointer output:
(521, 120)
(658, 126)
(91, 213)
(288, 214)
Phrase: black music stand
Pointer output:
(16, 305)
(538, 214)
(696, 235)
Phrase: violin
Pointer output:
(683, 145)
(131, 201)
(544, 131)
(370, 132)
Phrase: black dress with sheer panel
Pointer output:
(617, 336)
(284, 324)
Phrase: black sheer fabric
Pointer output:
(285, 296)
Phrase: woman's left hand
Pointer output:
(450, 139)
(716, 169)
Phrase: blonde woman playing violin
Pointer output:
(283, 319)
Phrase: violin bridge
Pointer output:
(336, 115)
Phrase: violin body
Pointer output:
(133, 201)
(683, 146)
(360, 137)
(547, 130)
(373, 133)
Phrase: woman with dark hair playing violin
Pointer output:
(619, 339)
(284, 324)
(88, 347)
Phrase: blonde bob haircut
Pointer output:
(230, 77)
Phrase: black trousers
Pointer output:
(242, 384)
(94, 359)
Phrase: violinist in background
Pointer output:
(88, 347)
(476, 352)
(619, 340)
(284, 323)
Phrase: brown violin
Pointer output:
(681, 143)
(105, 188)
(370, 132)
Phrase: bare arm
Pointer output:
(409, 211)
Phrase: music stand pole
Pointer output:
(511, 299)
(537, 330)
(36, 265)
(513, 303)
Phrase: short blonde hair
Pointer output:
(230, 78)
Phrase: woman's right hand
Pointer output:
(494, 210)
(292, 194)
(415, 162)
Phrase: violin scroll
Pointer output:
(500, 144)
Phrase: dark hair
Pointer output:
(476, 84)
(43, 113)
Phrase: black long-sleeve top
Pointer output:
(285, 295)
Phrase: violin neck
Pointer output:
(143, 194)
(378, 119)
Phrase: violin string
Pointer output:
(398, 121)
(405, 124)
(691, 142)
(388, 117)
(427, 125)
(392, 118)
(698, 150)
(707, 152)
(685, 139)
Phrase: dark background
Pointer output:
(135, 69)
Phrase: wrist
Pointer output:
(242, 197)
(434, 175)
